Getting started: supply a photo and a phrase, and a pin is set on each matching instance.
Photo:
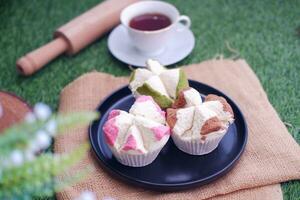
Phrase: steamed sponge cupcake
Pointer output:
(137, 137)
(162, 84)
(187, 98)
(146, 107)
(198, 130)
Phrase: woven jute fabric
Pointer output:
(271, 155)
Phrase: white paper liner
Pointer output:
(198, 147)
(137, 160)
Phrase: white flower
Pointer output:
(16, 158)
(51, 127)
(30, 117)
(42, 140)
(87, 195)
(29, 155)
(42, 111)
(33, 147)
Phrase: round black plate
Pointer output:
(172, 169)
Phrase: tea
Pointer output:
(150, 22)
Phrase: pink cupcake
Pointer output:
(137, 137)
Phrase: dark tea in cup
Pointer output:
(150, 22)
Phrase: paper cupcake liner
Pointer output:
(198, 147)
(136, 160)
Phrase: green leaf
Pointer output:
(19, 136)
(74, 120)
(33, 177)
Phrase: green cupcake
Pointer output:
(159, 82)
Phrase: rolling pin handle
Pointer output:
(36, 59)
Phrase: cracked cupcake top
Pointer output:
(140, 131)
(162, 84)
(186, 98)
(204, 119)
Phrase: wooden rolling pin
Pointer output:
(75, 35)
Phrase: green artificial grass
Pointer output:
(265, 33)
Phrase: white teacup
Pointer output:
(152, 42)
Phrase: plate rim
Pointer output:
(164, 186)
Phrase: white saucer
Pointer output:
(177, 48)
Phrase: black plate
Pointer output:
(172, 169)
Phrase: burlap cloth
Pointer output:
(271, 156)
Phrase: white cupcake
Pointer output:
(137, 137)
(198, 130)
